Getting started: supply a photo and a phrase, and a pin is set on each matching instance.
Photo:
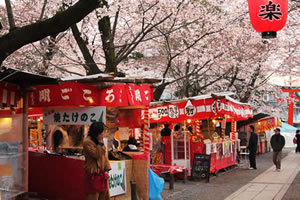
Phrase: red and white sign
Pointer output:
(139, 94)
(65, 94)
(200, 109)
(114, 96)
(8, 94)
(78, 94)
(125, 95)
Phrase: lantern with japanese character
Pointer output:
(268, 16)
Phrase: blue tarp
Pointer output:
(286, 128)
(156, 186)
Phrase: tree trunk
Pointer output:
(20, 37)
(91, 66)
(108, 46)
(158, 91)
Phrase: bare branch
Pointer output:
(10, 15)
(43, 10)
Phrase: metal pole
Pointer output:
(25, 138)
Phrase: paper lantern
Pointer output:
(268, 16)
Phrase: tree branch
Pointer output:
(10, 15)
(20, 37)
(89, 61)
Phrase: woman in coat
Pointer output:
(96, 164)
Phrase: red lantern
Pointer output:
(268, 16)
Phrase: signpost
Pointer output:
(201, 166)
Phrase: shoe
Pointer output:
(278, 170)
(251, 168)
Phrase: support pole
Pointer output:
(25, 139)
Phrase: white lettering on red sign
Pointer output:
(86, 94)
(64, 94)
(44, 95)
(137, 94)
(146, 92)
(110, 97)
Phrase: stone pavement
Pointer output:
(270, 184)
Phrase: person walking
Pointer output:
(252, 147)
(277, 143)
(297, 141)
(96, 165)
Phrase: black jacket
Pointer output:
(298, 139)
(277, 142)
(253, 140)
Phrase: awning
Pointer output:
(200, 109)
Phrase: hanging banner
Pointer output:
(117, 178)
(72, 94)
(74, 116)
(139, 94)
(114, 96)
(65, 94)
(199, 109)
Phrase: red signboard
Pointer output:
(200, 109)
(268, 15)
(139, 94)
(114, 96)
(65, 94)
(78, 94)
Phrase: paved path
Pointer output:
(270, 184)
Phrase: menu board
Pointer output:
(201, 166)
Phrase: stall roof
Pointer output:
(255, 117)
(225, 95)
(98, 78)
(18, 77)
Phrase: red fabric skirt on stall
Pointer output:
(94, 183)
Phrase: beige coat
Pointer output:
(95, 157)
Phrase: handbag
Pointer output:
(95, 183)
(295, 140)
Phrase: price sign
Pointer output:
(201, 166)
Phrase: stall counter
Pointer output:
(61, 178)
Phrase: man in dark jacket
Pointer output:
(298, 141)
(252, 146)
(277, 143)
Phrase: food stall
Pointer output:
(205, 125)
(14, 87)
(263, 123)
(78, 102)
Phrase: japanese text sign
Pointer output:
(199, 109)
(65, 94)
(73, 116)
(117, 178)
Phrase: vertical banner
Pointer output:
(233, 130)
(146, 130)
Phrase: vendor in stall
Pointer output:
(131, 145)
(60, 139)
